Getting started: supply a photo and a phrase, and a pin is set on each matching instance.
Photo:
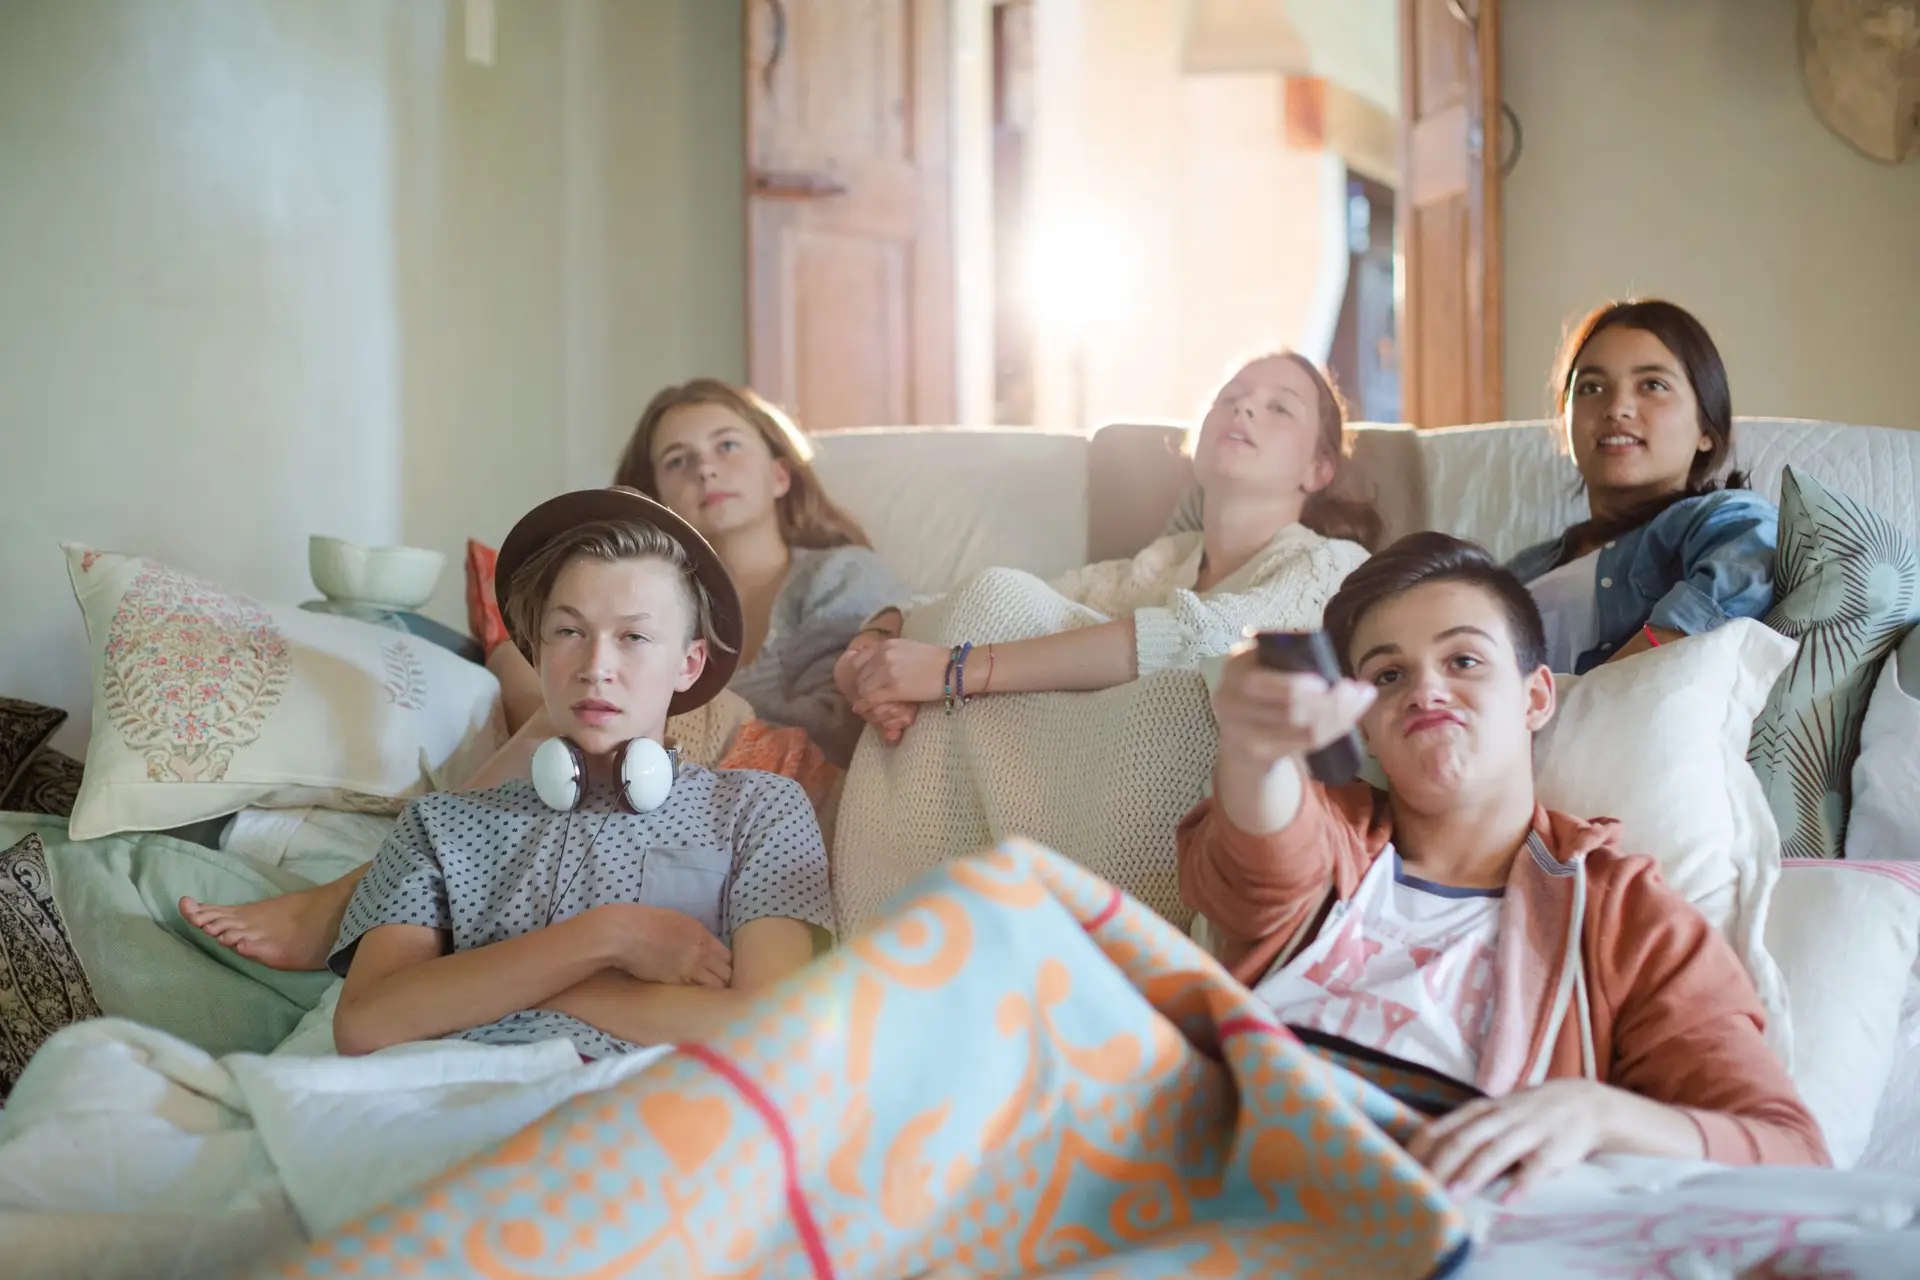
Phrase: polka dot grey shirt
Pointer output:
(727, 847)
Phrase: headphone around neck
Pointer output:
(645, 770)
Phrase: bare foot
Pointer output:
(293, 931)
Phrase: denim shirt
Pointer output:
(1698, 563)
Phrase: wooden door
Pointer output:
(1013, 91)
(849, 211)
(1450, 211)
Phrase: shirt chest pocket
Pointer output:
(690, 880)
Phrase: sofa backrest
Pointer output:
(1511, 484)
(941, 503)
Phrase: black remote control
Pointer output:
(1311, 653)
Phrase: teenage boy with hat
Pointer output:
(619, 898)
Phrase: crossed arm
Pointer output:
(638, 973)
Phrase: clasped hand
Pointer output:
(885, 679)
(655, 944)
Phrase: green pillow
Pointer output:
(1847, 587)
(117, 899)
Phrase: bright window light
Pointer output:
(1080, 278)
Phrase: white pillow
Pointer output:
(205, 702)
(1895, 1144)
(1885, 819)
(1659, 741)
(1845, 936)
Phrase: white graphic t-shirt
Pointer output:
(1405, 966)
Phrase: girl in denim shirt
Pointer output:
(1675, 544)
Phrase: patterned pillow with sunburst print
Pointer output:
(1847, 587)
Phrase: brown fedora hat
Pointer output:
(590, 506)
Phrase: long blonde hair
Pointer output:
(808, 517)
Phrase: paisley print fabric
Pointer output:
(42, 986)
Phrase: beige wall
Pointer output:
(1670, 150)
(276, 267)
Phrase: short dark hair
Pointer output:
(1421, 558)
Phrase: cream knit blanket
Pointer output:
(1102, 777)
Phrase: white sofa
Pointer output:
(941, 503)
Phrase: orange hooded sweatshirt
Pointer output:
(1669, 1012)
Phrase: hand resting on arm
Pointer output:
(404, 984)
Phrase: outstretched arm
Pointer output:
(1190, 628)
(1257, 856)
(1086, 658)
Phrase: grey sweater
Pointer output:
(825, 599)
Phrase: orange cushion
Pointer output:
(790, 753)
(483, 609)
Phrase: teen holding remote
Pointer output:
(1450, 921)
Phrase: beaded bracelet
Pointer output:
(960, 674)
(946, 681)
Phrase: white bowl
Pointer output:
(393, 577)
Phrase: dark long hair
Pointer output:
(1693, 347)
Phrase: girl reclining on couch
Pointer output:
(1453, 924)
(737, 469)
(1675, 544)
(1074, 712)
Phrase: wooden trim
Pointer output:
(932, 384)
(1491, 279)
(1406, 305)
(752, 57)
(1440, 165)
(1453, 362)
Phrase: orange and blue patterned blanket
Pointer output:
(1018, 1072)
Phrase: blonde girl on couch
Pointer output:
(1074, 712)
(739, 471)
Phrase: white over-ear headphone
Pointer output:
(645, 769)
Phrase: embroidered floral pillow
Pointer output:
(206, 702)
